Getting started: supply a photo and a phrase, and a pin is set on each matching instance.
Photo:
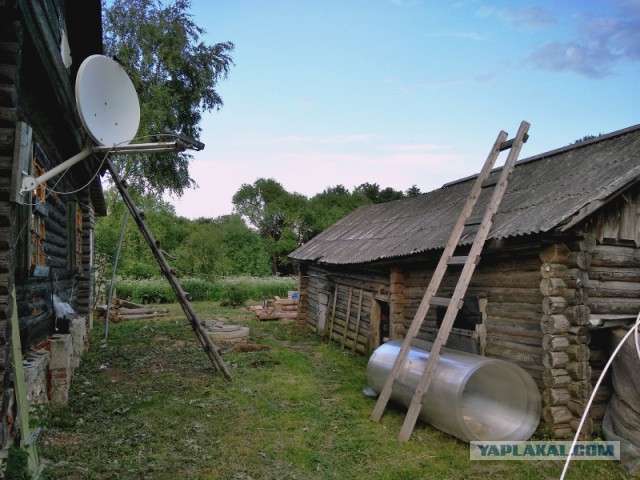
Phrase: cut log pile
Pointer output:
(277, 309)
(122, 310)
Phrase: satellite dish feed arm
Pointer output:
(187, 142)
(30, 183)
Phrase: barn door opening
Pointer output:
(380, 323)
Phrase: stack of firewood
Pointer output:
(277, 309)
(122, 310)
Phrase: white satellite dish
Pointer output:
(110, 113)
(107, 101)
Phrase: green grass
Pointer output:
(147, 405)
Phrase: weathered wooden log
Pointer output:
(556, 378)
(555, 324)
(502, 337)
(587, 427)
(577, 314)
(606, 255)
(560, 254)
(524, 353)
(579, 277)
(556, 414)
(517, 311)
(580, 390)
(555, 359)
(599, 288)
(614, 273)
(556, 287)
(554, 305)
(527, 296)
(555, 343)
(577, 406)
(511, 326)
(578, 352)
(588, 243)
(614, 305)
(555, 396)
(562, 431)
(579, 370)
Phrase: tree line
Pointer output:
(267, 223)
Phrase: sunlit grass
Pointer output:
(148, 405)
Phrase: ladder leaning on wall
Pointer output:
(469, 263)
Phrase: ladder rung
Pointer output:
(473, 223)
(440, 301)
(490, 183)
(457, 260)
(444, 302)
(507, 144)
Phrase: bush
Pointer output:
(230, 290)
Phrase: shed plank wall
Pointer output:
(321, 293)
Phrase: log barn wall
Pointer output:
(560, 270)
(536, 298)
(509, 287)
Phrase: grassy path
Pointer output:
(147, 405)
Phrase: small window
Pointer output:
(37, 258)
(468, 333)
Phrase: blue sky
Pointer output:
(404, 92)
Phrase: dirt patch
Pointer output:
(250, 347)
(113, 373)
(263, 363)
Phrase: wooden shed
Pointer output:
(561, 267)
(46, 237)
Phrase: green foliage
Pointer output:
(235, 297)
(214, 247)
(224, 246)
(17, 464)
(148, 290)
(276, 214)
(175, 75)
(221, 247)
(233, 291)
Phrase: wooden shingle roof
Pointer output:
(551, 191)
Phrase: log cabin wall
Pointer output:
(567, 374)
(10, 59)
(86, 275)
(38, 123)
(537, 298)
(507, 286)
(612, 294)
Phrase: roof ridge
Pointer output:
(553, 152)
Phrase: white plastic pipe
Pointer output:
(471, 397)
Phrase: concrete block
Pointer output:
(36, 366)
(61, 368)
(80, 339)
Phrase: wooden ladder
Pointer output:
(202, 335)
(454, 303)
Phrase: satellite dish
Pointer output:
(107, 101)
